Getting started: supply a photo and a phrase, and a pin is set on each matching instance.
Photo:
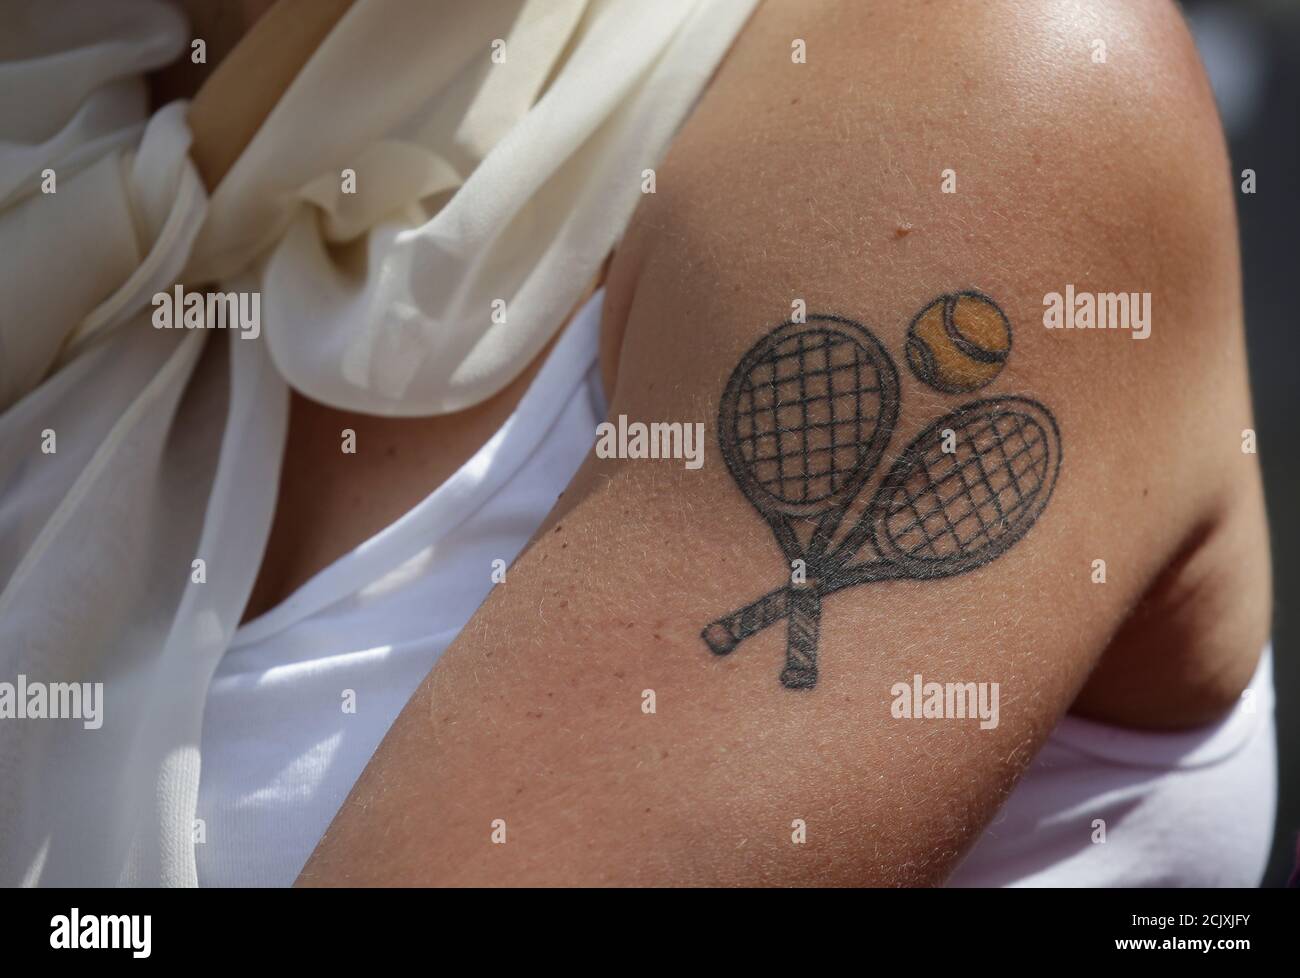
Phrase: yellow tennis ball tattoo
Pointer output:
(959, 342)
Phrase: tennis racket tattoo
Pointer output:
(803, 423)
(961, 494)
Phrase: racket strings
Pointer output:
(806, 414)
(954, 503)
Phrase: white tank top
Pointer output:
(307, 691)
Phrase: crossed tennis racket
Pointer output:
(803, 423)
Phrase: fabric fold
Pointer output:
(419, 213)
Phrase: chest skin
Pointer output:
(330, 500)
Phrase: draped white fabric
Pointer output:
(127, 452)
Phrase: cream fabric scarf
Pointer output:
(476, 181)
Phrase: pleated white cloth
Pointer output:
(127, 452)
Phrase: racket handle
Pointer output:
(803, 624)
(726, 633)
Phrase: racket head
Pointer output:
(807, 414)
(938, 514)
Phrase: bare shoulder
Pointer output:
(1063, 122)
(844, 278)
(1066, 158)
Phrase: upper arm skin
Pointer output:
(799, 181)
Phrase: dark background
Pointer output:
(1251, 50)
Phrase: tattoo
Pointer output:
(959, 342)
(803, 423)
